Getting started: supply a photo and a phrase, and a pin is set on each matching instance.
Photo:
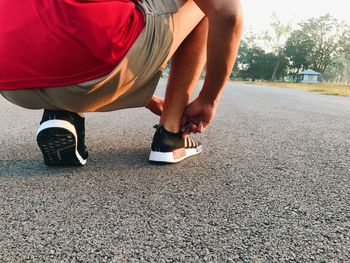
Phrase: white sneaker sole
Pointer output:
(58, 141)
(175, 156)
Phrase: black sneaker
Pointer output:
(61, 138)
(169, 147)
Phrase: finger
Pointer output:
(185, 127)
(200, 127)
(184, 121)
(193, 128)
(157, 98)
(185, 133)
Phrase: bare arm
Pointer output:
(225, 25)
(225, 19)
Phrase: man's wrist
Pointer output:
(206, 99)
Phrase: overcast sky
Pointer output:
(258, 12)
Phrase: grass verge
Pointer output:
(323, 88)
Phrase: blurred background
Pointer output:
(295, 41)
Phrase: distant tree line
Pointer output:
(321, 44)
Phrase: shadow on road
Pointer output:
(117, 158)
(103, 160)
(32, 167)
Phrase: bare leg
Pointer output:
(186, 67)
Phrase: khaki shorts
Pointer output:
(134, 80)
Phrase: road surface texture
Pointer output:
(272, 185)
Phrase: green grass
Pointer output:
(323, 88)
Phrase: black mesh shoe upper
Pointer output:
(165, 141)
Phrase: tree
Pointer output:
(254, 63)
(347, 60)
(275, 39)
(316, 43)
(334, 72)
(245, 56)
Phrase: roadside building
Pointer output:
(309, 76)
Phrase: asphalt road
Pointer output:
(272, 185)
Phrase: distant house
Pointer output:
(309, 76)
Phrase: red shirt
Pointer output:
(48, 43)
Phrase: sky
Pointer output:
(258, 12)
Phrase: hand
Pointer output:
(197, 117)
(156, 105)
